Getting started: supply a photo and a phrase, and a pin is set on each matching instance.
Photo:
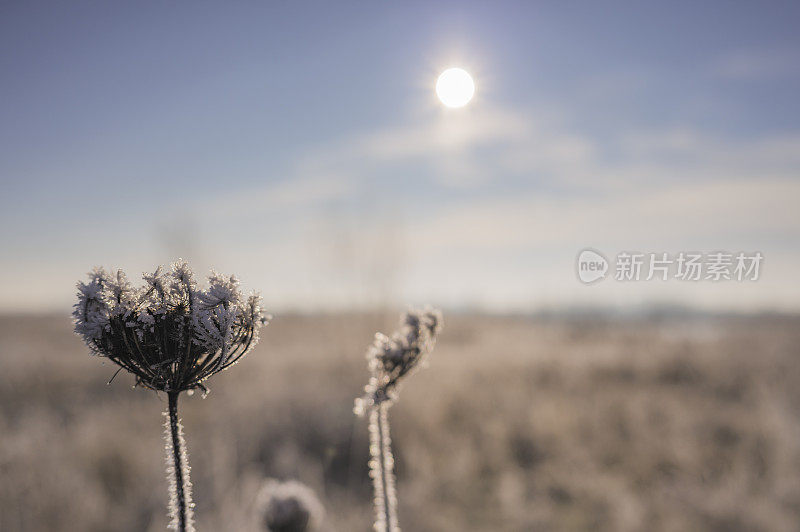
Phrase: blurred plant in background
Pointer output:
(171, 336)
(390, 360)
(288, 507)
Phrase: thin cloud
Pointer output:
(758, 65)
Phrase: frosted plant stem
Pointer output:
(383, 470)
(391, 359)
(388, 469)
(180, 492)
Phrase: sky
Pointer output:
(301, 146)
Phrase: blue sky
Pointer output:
(301, 146)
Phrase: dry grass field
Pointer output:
(518, 424)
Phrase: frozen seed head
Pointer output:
(288, 507)
(170, 334)
(392, 358)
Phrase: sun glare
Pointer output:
(455, 87)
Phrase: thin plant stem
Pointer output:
(383, 470)
(178, 470)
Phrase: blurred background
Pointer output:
(302, 147)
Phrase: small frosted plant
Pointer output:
(171, 336)
(288, 507)
(391, 359)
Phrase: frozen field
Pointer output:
(517, 425)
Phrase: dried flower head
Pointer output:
(392, 358)
(169, 334)
(288, 507)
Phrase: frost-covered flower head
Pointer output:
(392, 358)
(288, 507)
(170, 334)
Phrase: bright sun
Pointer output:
(455, 87)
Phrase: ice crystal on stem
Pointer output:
(171, 336)
(181, 507)
(391, 359)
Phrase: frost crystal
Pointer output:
(169, 334)
(392, 358)
(180, 492)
